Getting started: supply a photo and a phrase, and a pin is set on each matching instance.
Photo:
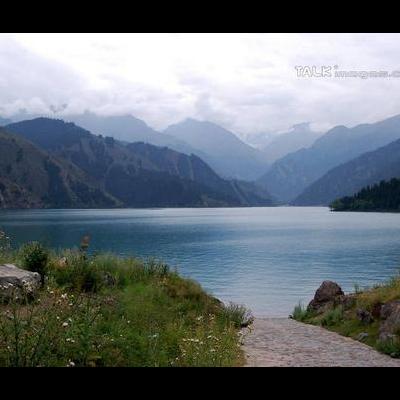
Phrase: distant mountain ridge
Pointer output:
(222, 149)
(288, 177)
(240, 162)
(136, 174)
(299, 137)
(348, 178)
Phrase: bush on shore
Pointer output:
(104, 310)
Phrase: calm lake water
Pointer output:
(266, 258)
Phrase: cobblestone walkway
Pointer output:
(283, 342)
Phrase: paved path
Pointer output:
(283, 342)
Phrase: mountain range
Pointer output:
(289, 176)
(299, 137)
(229, 156)
(126, 174)
(31, 178)
(222, 149)
(349, 178)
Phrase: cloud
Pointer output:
(245, 82)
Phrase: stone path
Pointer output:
(283, 342)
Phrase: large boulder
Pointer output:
(17, 283)
(390, 325)
(327, 294)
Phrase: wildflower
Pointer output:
(65, 324)
(71, 364)
(64, 296)
(70, 340)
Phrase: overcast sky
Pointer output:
(246, 82)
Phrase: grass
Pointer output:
(345, 321)
(104, 310)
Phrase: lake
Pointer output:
(266, 258)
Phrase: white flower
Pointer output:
(71, 364)
(65, 324)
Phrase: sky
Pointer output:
(247, 83)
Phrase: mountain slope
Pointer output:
(224, 151)
(137, 174)
(31, 178)
(288, 177)
(348, 178)
(301, 136)
(127, 128)
(4, 121)
(384, 196)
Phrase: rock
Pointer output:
(17, 283)
(376, 310)
(362, 336)
(390, 326)
(364, 316)
(389, 308)
(325, 295)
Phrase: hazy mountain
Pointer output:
(127, 128)
(292, 174)
(137, 174)
(348, 178)
(223, 150)
(299, 137)
(31, 178)
(260, 140)
(4, 121)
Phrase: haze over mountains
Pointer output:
(289, 176)
(128, 175)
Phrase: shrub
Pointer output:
(35, 258)
(390, 346)
(332, 317)
(80, 273)
(237, 314)
(300, 313)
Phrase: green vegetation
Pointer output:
(34, 257)
(104, 310)
(345, 319)
(384, 196)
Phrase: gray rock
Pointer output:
(16, 283)
(326, 294)
(362, 336)
(390, 326)
(389, 308)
